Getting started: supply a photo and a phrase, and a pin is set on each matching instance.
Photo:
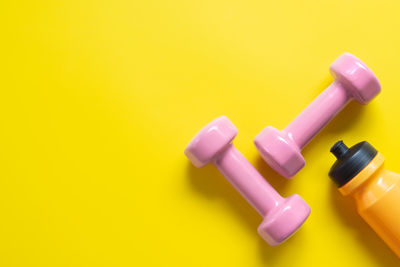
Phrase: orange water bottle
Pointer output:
(359, 172)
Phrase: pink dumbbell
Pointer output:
(282, 149)
(282, 216)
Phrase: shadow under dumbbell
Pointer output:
(277, 181)
(347, 118)
(209, 182)
(346, 208)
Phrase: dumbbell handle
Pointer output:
(247, 180)
(316, 115)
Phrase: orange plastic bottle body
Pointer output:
(377, 194)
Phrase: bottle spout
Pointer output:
(339, 149)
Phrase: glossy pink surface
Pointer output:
(282, 149)
(282, 217)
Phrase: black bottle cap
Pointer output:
(350, 161)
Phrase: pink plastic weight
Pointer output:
(282, 216)
(282, 149)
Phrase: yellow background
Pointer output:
(98, 100)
